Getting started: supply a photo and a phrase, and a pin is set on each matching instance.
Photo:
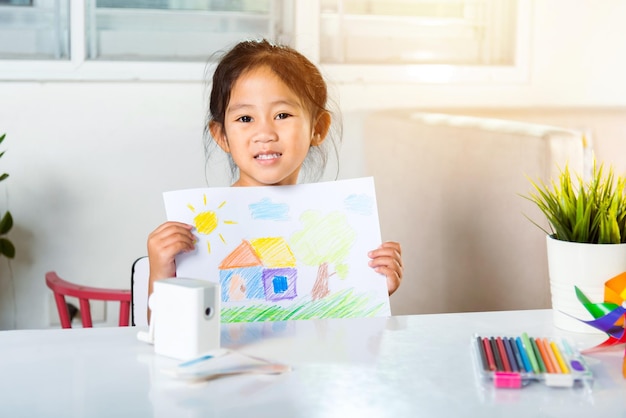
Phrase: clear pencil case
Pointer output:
(513, 362)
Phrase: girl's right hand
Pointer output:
(164, 243)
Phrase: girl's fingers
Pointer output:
(387, 260)
(170, 224)
(164, 243)
(169, 233)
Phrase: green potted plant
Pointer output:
(6, 222)
(586, 245)
(592, 212)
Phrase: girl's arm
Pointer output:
(387, 260)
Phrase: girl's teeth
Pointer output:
(267, 156)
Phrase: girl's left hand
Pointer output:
(387, 260)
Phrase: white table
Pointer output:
(405, 366)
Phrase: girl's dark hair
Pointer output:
(298, 73)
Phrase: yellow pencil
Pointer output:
(559, 357)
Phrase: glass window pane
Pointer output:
(174, 30)
(456, 32)
(34, 29)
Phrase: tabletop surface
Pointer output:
(400, 366)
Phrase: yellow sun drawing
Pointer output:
(206, 222)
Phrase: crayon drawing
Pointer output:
(207, 221)
(284, 253)
(262, 268)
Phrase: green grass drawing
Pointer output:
(343, 304)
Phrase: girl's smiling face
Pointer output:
(267, 130)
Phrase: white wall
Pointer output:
(89, 161)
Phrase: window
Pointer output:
(453, 32)
(428, 41)
(385, 41)
(280, 284)
(173, 30)
(34, 29)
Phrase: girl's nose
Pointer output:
(266, 133)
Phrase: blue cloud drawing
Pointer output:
(359, 203)
(267, 210)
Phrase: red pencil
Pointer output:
(503, 355)
(490, 359)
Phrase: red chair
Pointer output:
(62, 288)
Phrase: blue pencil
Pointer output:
(524, 355)
(518, 356)
(196, 360)
(510, 355)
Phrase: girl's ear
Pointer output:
(320, 129)
(217, 132)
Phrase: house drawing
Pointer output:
(259, 269)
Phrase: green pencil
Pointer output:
(542, 366)
(531, 353)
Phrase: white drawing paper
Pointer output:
(285, 252)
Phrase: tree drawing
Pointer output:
(324, 241)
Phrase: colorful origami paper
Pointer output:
(608, 315)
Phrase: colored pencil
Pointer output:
(496, 355)
(489, 354)
(503, 355)
(555, 364)
(567, 348)
(483, 355)
(530, 352)
(559, 357)
(518, 356)
(546, 358)
(511, 356)
(540, 363)
(522, 352)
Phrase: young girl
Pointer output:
(268, 111)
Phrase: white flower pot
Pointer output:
(587, 266)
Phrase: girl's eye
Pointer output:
(282, 116)
(245, 119)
